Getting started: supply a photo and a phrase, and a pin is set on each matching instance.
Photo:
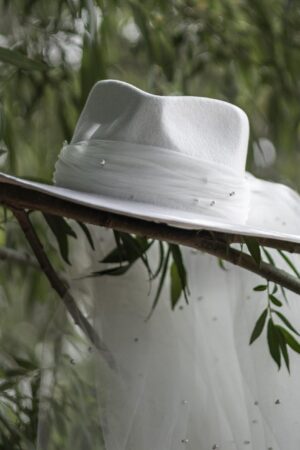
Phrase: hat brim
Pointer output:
(264, 195)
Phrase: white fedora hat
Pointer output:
(178, 160)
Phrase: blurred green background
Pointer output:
(51, 53)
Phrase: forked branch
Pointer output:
(60, 286)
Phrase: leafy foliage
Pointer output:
(61, 231)
(254, 249)
(279, 337)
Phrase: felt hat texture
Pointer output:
(178, 160)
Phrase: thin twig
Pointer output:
(9, 254)
(59, 286)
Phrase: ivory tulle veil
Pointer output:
(185, 379)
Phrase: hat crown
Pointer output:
(207, 129)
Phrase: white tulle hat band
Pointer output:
(153, 175)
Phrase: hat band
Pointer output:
(155, 176)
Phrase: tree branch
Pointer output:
(9, 254)
(217, 244)
(59, 286)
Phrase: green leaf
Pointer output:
(275, 289)
(128, 249)
(137, 247)
(254, 249)
(119, 247)
(283, 348)
(161, 282)
(221, 264)
(115, 256)
(261, 287)
(87, 233)
(176, 285)
(268, 256)
(289, 263)
(259, 326)
(61, 230)
(286, 322)
(290, 340)
(178, 260)
(19, 60)
(284, 294)
(7, 385)
(273, 342)
(275, 300)
(114, 271)
(160, 260)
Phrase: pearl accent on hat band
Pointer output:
(154, 175)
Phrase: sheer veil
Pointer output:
(184, 379)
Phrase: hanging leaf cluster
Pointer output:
(281, 334)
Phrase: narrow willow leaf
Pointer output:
(289, 263)
(87, 233)
(268, 256)
(273, 342)
(61, 230)
(176, 285)
(254, 249)
(161, 282)
(221, 264)
(275, 289)
(286, 322)
(261, 287)
(7, 385)
(178, 260)
(19, 60)
(117, 255)
(128, 249)
(275, 300)
(259, 326)
(283, 348)
(119, 247)
(160, 260)
(119, 270)
(284, 294)
(139, 246)
(290, 340)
